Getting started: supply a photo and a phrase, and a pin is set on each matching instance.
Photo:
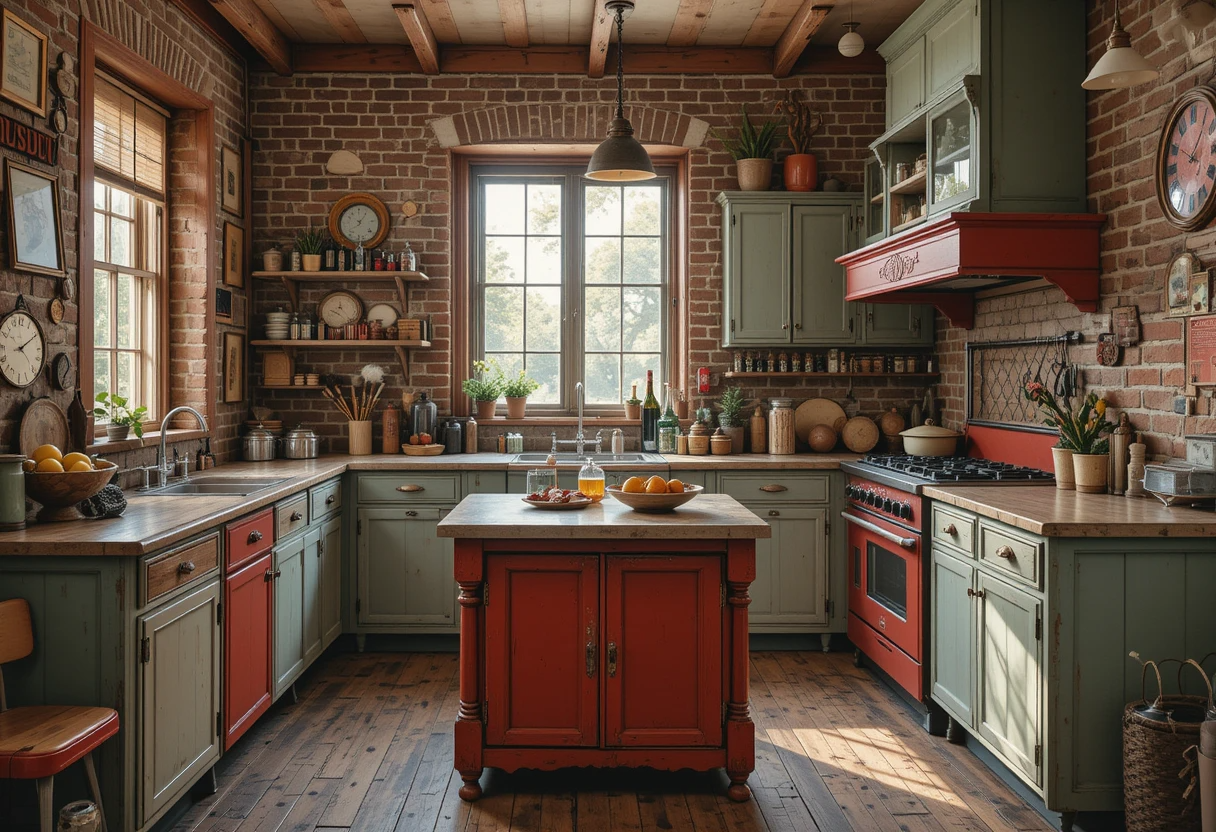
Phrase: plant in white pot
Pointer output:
(752, 151)
(484, 389)
(516, 389)
(121, 419)
(1082, 431)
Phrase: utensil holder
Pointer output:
(360, 438)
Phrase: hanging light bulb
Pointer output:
(851, 44)
(1120, 66)
(620, 157)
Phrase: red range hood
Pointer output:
(947, 260)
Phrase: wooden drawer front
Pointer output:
(954, 529)
(779, 485)
(248, 538)
(165, 573)
(1010, 553)
(408, 487)
(324, 498)
(290, 516)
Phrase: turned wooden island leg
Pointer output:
(740, 730)
(468, 730)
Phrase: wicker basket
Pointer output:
(1158, 780)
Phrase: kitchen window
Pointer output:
(571, 281)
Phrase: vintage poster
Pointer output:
(1201, 350)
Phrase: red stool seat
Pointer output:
(43, 740)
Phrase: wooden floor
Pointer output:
(368, 747)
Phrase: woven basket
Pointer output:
(1158, 790)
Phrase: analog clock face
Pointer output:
(340, 309)
(359, 223)
(1190, 163)
(21, 349)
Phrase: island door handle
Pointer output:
(410, 489)
(975, 593)
(611, 659)
(255, 536)
(269, 576)
(773, 489)
(590, 659)
(950, 530)
(1005, 552)
(273, 574)
(185, 568)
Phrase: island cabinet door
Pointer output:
(953, 627)
(248, 648)
(663, 651)
(542, 650)
(288, 613)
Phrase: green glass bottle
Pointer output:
(669, 424)
(650, 416)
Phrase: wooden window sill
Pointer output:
(150, 439)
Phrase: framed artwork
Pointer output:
(1201, 351)
(1200, 292)
(223, 305)
(231, 186)
(234, 255)
(23, 64)
(234, 367)
(1178, 284)
(35, 233)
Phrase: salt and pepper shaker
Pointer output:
(1120, 440)
(618, 441)
(1135, 469)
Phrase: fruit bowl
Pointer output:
(60, 492)
(422, 450)
(654, 503)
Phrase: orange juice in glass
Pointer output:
(591, 480)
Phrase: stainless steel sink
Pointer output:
(600, 459)
(209, 486)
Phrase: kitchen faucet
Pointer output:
(580, 442)
(162, 466)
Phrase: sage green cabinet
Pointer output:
(898, 324)
(906, 82)
(821, 234)
(330, 554)
(952, 660)
(405, 570)
(289, 610)
(791, 588)
(758, 267)
(485, 482)
(951, 48)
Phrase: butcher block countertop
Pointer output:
(1055, 512)
(500, 516)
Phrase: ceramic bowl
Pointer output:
(59, 493)
(421, 450)
(655, 503)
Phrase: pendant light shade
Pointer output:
(620, 157)
(851, 44)
(1120, 66)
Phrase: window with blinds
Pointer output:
(128, 136)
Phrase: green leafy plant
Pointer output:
(517, 387)
(633, 400)
(750, 143)
(114, 408)
(1081, 430)
(483, 387)
(311, 241)
(731, 405)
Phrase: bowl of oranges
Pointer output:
(655, 495)
(60, 481)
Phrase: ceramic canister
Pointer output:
(12, 492)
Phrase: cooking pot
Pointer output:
(930, 440)
(300, 443)
(259, 445)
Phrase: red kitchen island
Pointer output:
(603, 637)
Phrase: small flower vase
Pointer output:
(1090, 472)
(1065, 477)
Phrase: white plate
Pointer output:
(385, 313)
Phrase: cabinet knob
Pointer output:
(1005, 552)
(785, 325)
(255, 536)
(950, 530)
(773, 489)
(410, 489)
(411, 514)
(975, 593)
(797, 326)
(185, 568)
(590, 659)
(329, 501)
(611, 659)
(772, 512)
(295, 515)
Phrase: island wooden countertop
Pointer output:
(1056, 512)
(502, 516)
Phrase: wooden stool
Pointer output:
(38, 742)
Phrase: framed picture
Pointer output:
(234, 255)
(234, 367)
(1178, 284)
(35, 234)
(23, 64)
(1200, 292)
(231, 185)
(223, 304)
(1201, 351)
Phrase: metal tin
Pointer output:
(258, 445)
(1168, 478)
(1201, 449)
(300, 443)
(453, 437)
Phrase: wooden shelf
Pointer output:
(291, 281)
(903, 226)
(733, 374)
(291, 386)
(953, 156)
(914, 184)
(877, 199)
(402, 348)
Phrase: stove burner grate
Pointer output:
(957, 469)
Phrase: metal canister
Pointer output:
(258, 445)
(12, 492)
(453, 437)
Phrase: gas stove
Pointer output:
(912, 472)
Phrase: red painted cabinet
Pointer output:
(248, 646)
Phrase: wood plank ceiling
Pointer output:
(778, 37)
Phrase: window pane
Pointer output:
(120, 203)
(642, 330)
(603, 264)
(602, 323)
(641, 260)
(126, 311)
(120, 241)
(511, 363)
(101, 309)
(603, 379)
(603, 210)
(544, 319)
(635, 367)
(504, 316)
(125, 375)
(544, 259)
(101, 374)
(544, 209)
(643, 211)
(100, 224)
(504, 209)
(99, 195)
(546, 370)
(504, 258)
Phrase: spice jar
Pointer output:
(758, 430)
(390, 435)
(781, 427)
(719, 443)
(698, 439)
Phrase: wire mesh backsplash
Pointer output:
(998, 371)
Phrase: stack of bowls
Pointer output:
(277, 325)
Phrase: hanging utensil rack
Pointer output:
(998, 371)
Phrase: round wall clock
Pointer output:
(1186, 160)
(22, 346)
(340, 308)
(61, 371)
(359, 219)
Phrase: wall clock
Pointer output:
(22, 346)
(61, 371)
(340, 308)
(1186, 160)
(359, 219)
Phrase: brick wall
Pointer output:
(1137, 244)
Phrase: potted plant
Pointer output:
(1081, 431)
(752, 151)
(516, 390)
(633, 405)
(730, 417)
(122, 420)
(1061, 458)
(484, 389)
(309, 243)
(801, 169)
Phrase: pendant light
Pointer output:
(1120, 66)
(851, 44)
(620, 157)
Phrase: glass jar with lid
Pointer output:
(591, 480)
(781, 427)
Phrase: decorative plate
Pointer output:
(545, 505)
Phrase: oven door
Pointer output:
(885, 578)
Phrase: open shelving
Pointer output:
(402, 348)
(733, 374)
(914, 184)
(291, 281)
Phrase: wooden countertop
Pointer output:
(708, 517)
(1055, 512)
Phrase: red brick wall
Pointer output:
(1137, 244)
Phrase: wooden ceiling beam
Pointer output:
(421, 38)
(601, 35)
(255, 27)
(438, 13)
(796, 36)
(210, 21)
(514, 22)
(339, 18)
(691, 17)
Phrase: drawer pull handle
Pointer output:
(186, 567)
(410, 489)
(772, 512)
(950, 530)
(329, 501)
(611, 659)
(975, 593)
(773, 489)
(411, 514)
(1006, 552)
(590, 659)
(255, 536)
(295, 515)
(903, 542)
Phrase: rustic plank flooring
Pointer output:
(368, 747)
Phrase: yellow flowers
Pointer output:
(1100, 408)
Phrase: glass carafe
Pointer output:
(591, 480)
(424, 416)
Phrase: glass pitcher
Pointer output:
(591, 480)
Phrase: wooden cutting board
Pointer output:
(860, 434)
(816, 412)
(44, 423)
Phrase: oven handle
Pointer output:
(904, 542)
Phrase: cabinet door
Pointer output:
(288, 613)
(331, 581)
(542, 643)
(821, 314)
(906, 83)
(663, 651)
(485, 482)
(248, 646)
(898, 325)
(405, 568)
(791, 586)
(951, 47)
(311, 603)
(953, 635)
(180, 688)
(1009, 707)
(757, 274)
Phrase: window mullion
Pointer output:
(572, 283)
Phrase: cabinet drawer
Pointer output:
(166, 572)
(777, 486)
(248, 538)
(290, 515)
(954, 529)
(1010, 553)
(324, 498)
(408, 487)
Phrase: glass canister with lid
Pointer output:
(781, 426)
(424, 416)
(12, 492)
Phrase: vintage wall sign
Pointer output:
(39, 146)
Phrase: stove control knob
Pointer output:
(905, 511)
(872, 498)
(850, 491)
(888, 505)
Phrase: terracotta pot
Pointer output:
(1090, 472)
(754, 174)
(633, 411)
(310, 262)
(1062, 458)
(516, 406)
(801, 172)
(117, 433)
(485, 410)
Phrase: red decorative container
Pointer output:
(801, 172)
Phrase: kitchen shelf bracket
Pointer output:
(403, 356)
(293, 292)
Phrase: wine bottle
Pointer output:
(650, 416)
